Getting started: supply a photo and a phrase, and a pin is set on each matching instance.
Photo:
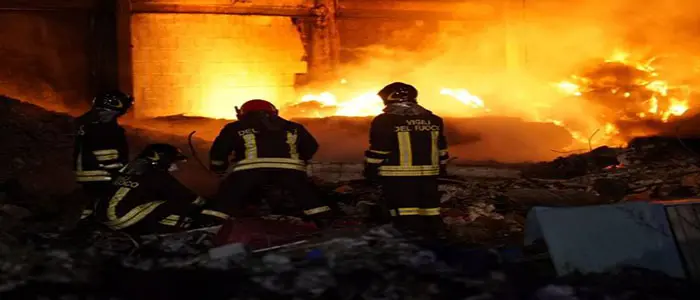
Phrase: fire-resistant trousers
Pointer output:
(414, 204)
(235, 191)
(96, 192)
(168, 217)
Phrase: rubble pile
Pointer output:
(380, 264)
(649, 168)
(492, 209)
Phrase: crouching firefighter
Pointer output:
(267, 149)
(100, 146)
(407, 153)
(147, 199)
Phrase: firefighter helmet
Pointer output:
(256, 105)
(162, 156)
(114, 101)
(398, 92)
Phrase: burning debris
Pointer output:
(623, 90)
(630, 91)
(619, 97)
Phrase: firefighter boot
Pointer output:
(434, 228)
(409, 225)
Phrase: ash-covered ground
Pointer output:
(484, 207)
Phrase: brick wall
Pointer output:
(206, 64)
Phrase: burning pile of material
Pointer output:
(622, 90)
(609, 92)
(326, 104)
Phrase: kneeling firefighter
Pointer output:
(100, 146)
(407, 153)
(147, 199)
(267, 149)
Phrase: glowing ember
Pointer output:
(326, 104)
(622, 89)
(614, 167)
(368, 104)
(464, 96)
(634, 90)
(569, 88)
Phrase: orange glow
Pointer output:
(367, 104)
(587, 67)
(654, 104)
(204, 65)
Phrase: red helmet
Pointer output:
(257, 105)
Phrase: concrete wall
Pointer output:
(44, 57)
(357, 34)
(183, 60)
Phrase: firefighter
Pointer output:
(146, 198)
(407, 153)
(100, 146)
(267, 149)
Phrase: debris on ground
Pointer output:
(380, 264)
(38, 255)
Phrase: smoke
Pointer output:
(512, 63)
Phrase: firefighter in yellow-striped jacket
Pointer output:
(147, 199)
(407, 153)
(100, 147)
(267, 149)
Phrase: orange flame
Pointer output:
(660, 105)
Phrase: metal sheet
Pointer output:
(684, 217)
(598, 238)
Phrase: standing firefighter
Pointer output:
(100, 146)
(267, 149)
(147, 199)
(408, 151)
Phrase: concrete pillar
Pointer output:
(124, 69)
(125, 73)
(103, 47)
(325, 41)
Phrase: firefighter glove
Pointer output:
(218, 167)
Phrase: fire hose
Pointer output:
(194, 152)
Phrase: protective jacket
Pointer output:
(257, 146)
(408, 150)
(100, 149)
(146, 202)
(406, 140)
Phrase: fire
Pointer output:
(625, 90)
(638, 84)
(616, 89)
(367, 104)
(464, 96)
